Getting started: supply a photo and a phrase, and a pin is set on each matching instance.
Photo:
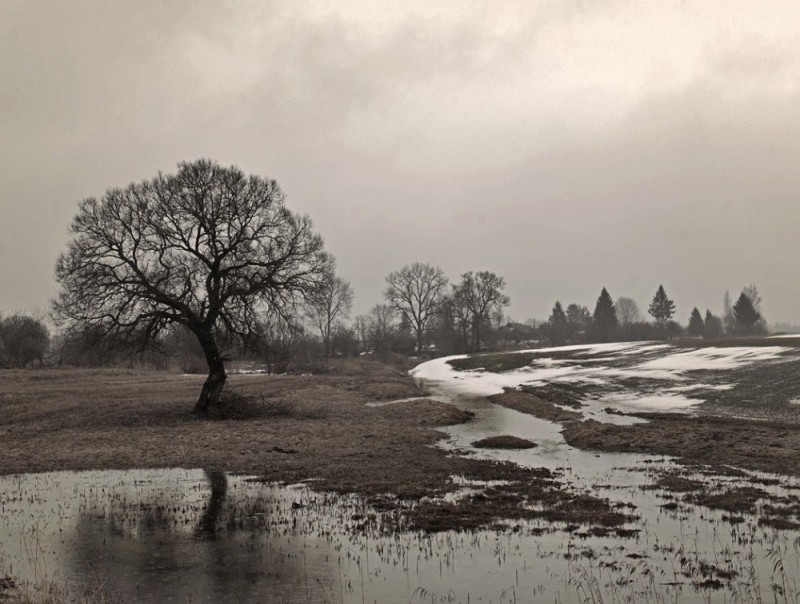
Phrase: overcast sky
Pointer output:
(564, 145)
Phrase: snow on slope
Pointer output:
(626, 362)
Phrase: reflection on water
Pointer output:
(188, 535)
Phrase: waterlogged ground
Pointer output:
(688, 533)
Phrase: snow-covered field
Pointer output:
(663, 374)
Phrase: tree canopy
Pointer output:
(207, 247)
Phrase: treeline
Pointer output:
(623, 321)
(421, 315)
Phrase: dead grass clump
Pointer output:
(675, 483)
(505, 441)
(741, 500)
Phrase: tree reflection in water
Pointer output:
(209, 521)
(191, 535)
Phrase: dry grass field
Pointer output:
(296, 428)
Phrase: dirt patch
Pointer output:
(503, 442)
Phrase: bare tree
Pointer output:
(481, 295)
(627, 310)
(208, 247)
(330, 302)
(416, 290)
(381, 326)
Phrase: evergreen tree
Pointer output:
(713, 326)
(745, 314)
(696, 325)
(558, 316)
(661, 308)
(605, 317)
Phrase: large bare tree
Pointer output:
(481, 295)
(207, 247)
(333, 300)
(416, 290)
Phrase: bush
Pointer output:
(24, 340)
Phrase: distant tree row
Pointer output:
(622, 320)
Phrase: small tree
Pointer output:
(328, 304)
(697, 326)
(24, 340)
(416, 290)
(746, 315)
(208, 247)
(605, 317)
(557, 324)
(728, 320)
(579, 319)
(381, 327)
(627, 311)
(661, 308)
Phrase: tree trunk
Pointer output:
(212, 388)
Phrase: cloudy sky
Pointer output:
(566, 145)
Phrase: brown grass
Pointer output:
(287, 428)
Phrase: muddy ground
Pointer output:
(319, 428)
(294, 428)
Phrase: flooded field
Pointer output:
(176, 535)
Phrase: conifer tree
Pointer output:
(558, 316)
(605, 317)
(746, 314)
(661, 308)
(696, 324)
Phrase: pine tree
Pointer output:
(661, 308)
(696, 325)
(558, 316)
(605, 317)
(746, 314)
